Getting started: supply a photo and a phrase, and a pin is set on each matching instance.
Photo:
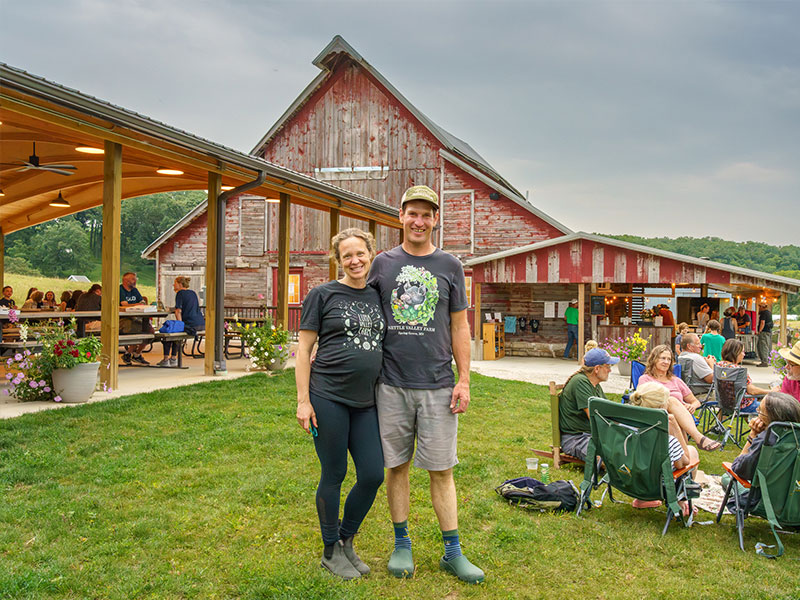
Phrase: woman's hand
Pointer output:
(757, 425)
(306, 415)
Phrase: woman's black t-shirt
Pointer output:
(350, 326)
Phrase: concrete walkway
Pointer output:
(135, 380)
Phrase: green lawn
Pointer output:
(21, 284)
(208, 492)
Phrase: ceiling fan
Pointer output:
(33, 164)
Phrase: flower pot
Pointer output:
(278, 365)
(624, 368)
(77, 384)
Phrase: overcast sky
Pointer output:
(648, 118)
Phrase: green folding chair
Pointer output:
(777, 478)
(632, 443)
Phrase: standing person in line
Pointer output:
(336, 395)
(764, 334)
(712, 340)
(743, 322)
(187, 309)
(424, 300)
(729, 323)
(571, 317)
(703, 318)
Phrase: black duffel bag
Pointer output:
(526, 492)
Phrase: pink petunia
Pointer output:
(46, 389)
(33, 384)
(9, 375)
(18, 357)
(57, 399)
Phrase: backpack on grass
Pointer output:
(560, 496)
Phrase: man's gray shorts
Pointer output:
(575, 444)
(405, 414)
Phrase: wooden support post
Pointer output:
(476, 318)
(581, 320)
(284, 210)
(373, 229)
(704, 290)
(333, 266)
(212, 340)
(109, 301)
(2, 258)
(784, 325)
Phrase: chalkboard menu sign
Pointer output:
(598, 305)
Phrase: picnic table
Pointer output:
(81, 317)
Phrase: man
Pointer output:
(573, 403)
(129, 296)
(702, 366)
(424, 298)
(667, 316)
(7, 300)
(571, 317)
(764, 334)
(743, 324)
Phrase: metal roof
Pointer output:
(27, 96)
(685, 258)
(462, 150)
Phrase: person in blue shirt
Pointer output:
(187, 309)
(129, 296)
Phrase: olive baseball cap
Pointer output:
(420, 192)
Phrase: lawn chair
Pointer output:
(632, 443)
(777, 477)
(700, 388)
(723, 414)
(556, 454)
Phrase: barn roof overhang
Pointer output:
(58, 119)
(587, 258)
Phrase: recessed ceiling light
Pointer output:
(273, 200)
(90, 150)
(59, 202)
(165, 171)
(226, 188)
(2, 193)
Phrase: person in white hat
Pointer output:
(791, 383)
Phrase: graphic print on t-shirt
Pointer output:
(363, 325)
(414, 299)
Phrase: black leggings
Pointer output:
(342, 428)
(173, 348)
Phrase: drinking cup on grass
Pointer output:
(533, 463)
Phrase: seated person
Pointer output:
(702, 366)
(49, 300)
(65, 296)
(34, 302)
(30, 293)
(732, 356)
(73, 299)
(682, 329)
(712, 340)
(7, 300)
(654, 395)
(90, 301)
(743, 323)
(776, 406)
(573, 403)
(682, 402)
(129, 296)
(187, 309)
(791, 383)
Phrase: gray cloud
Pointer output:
(668, 118)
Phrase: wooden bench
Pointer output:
(179, 337)
(556, 454)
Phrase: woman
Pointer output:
(187, 309)
(336, 395)
(34, 302)
(65, 296)
(73, 300)
(30, 293)
(682, 402)
(703, 317)
(49, 300)
(776, 406)
(654, 395)
(682, 329)
(732, 356)
(791, 383)
(729, 324)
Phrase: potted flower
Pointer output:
(267, 346)
(627, 350)
(74, 362)
(647, 315)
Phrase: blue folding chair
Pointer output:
(637, 370)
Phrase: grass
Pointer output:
(21, 284)
(208, 492)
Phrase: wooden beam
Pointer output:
(784, 325)
(212, 214)
(476, 318)
(284, 229)
(109, 301)
(373, 228)
(2, 258)
(581, 320)
(333, 266)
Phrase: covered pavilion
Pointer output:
(90, 153)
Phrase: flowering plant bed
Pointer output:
(627, 349)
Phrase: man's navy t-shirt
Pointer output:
(131, 297)
(418, 293)
(350, 328)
